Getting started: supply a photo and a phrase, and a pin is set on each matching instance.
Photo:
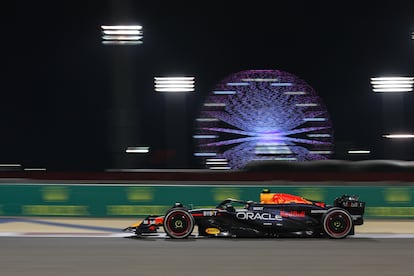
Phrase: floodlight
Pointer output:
(392, 84)
(35, 169)
(174, 84)
(10, 167)
(137, 150)
(218, 164)
(359, 151)
(399, 136)
(122, 34)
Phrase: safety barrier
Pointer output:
(127, 200)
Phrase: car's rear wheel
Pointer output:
(178, 223)
(337, 223)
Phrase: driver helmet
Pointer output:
(230, 208)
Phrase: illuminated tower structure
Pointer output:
(262, 115)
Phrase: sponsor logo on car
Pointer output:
(209, 213)
(149, 221)
(212, 231)
(287, 214)
(257, 216)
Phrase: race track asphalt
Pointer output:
(192, 257)
(94, 248)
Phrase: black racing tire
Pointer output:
(178, 223)
(337, 223)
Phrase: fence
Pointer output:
(126, 200)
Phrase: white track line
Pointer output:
(162, 235)
(64, 235)
(383, 236)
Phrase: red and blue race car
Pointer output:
(276, 215)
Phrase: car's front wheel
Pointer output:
(337, 223)
(178, 223)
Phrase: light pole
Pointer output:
(393, 90)
(175, 90)
(124, 113)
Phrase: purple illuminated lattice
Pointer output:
(262, 115)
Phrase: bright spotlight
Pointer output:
(137, 150)
(392, 84)
(174, 84)
(399, 136)
(359, 151)
(122, 34)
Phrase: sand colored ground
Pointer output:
(99, 225)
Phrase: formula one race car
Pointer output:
(276, 215)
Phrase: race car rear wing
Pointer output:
(352, 204)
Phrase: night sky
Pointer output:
(70, 103)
